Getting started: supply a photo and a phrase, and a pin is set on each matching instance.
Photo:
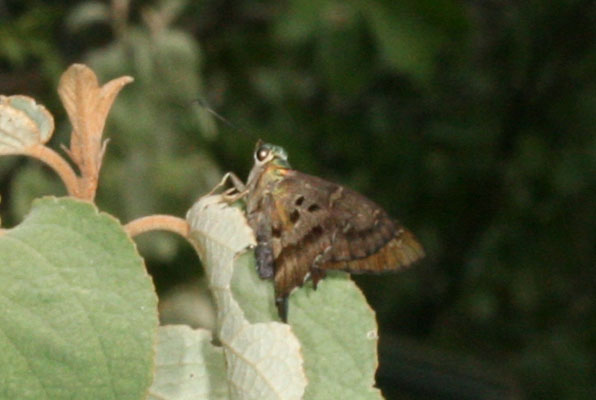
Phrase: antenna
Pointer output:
(202, 103)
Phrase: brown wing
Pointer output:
(319, 225)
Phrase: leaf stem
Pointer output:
(58, 164)
(157, 223)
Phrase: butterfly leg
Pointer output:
(316, 271)
(316, 274)
(233, 194)
(238, 184)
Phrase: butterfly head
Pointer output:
(271, 163)
(270, 154)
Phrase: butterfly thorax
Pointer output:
(263, 180)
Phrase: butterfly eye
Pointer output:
(262, 153)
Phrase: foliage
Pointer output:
(69, 310)
(471, 122)
(80, 312)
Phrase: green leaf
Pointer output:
(338, 333)
(263, 359)
(78, 313)
(23, 123)
(188, 366)
(334, 324)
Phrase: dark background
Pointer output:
(473, 122)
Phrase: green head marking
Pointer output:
(269, 153)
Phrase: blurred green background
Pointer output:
(472, 122)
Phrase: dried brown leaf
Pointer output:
(87, 105)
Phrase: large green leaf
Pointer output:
(336, 328)
(78, 312)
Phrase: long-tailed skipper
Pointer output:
(305, 226)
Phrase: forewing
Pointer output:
(319, 225)
(300, 228)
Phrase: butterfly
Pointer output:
(305, 226)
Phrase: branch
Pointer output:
(58, 164)
(157, 223)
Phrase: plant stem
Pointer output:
(58, 164)
(157, 223)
